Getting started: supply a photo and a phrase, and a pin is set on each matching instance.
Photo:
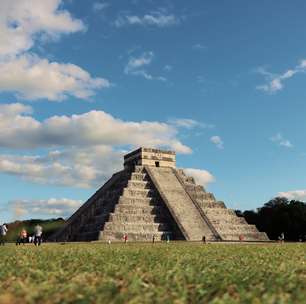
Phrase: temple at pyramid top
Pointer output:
(151, 198)
(149, 157)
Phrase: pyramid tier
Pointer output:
(138, 236)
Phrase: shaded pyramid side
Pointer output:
(87, 222)
(225, 221)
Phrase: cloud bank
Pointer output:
(52, 207)
(26, 24)
(22, 23)
(31, 77)
(78, 150)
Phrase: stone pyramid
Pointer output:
(150, 197)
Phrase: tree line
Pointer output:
(277, 216)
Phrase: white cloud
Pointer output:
(199, 47)
(294, 195)
(217, 140)
(168, 67)
(79, 150)
(189, 123)
(23, 22)
(137, 66)
(136, 63)
(14, 109)
(280, 140)
(275, 82)
(156, 18)
(52, 207)
(100, 6)
(21, 130)
(202, 177)
(31, 77)
(74, 167)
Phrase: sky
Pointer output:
(222, 83)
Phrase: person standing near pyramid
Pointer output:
(3, 232)
(38, 230)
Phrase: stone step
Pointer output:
(139, 177)
(203, 196)
(138, 193)
(141, 201)
(134, 185)
(118, 236)
(139, 169)
(258, 236)
(135, 227)
(132, 218)
(232, 228)
(209, 204)
(228, 219)
(217, 212)
(138, 210)
(194, 189)
(188, 180)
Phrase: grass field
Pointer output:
(153, 273)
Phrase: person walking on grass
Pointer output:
(204, 239)
(282, 238)
(23, 236)
(125, 238)
(3, 232)
(38, 230)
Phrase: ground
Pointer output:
(153, 273)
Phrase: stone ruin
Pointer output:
(151, 197)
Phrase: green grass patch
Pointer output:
(153, 273)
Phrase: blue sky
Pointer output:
(82, 82)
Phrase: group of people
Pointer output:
(36, 238)
(23, 237)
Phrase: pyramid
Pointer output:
(150, 198)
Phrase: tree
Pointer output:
(279, 215)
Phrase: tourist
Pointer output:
(38, 230)
(153, 239)
(168, 237)
(204, 239)
(125, 238)
(3, 232)
(23, 236)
